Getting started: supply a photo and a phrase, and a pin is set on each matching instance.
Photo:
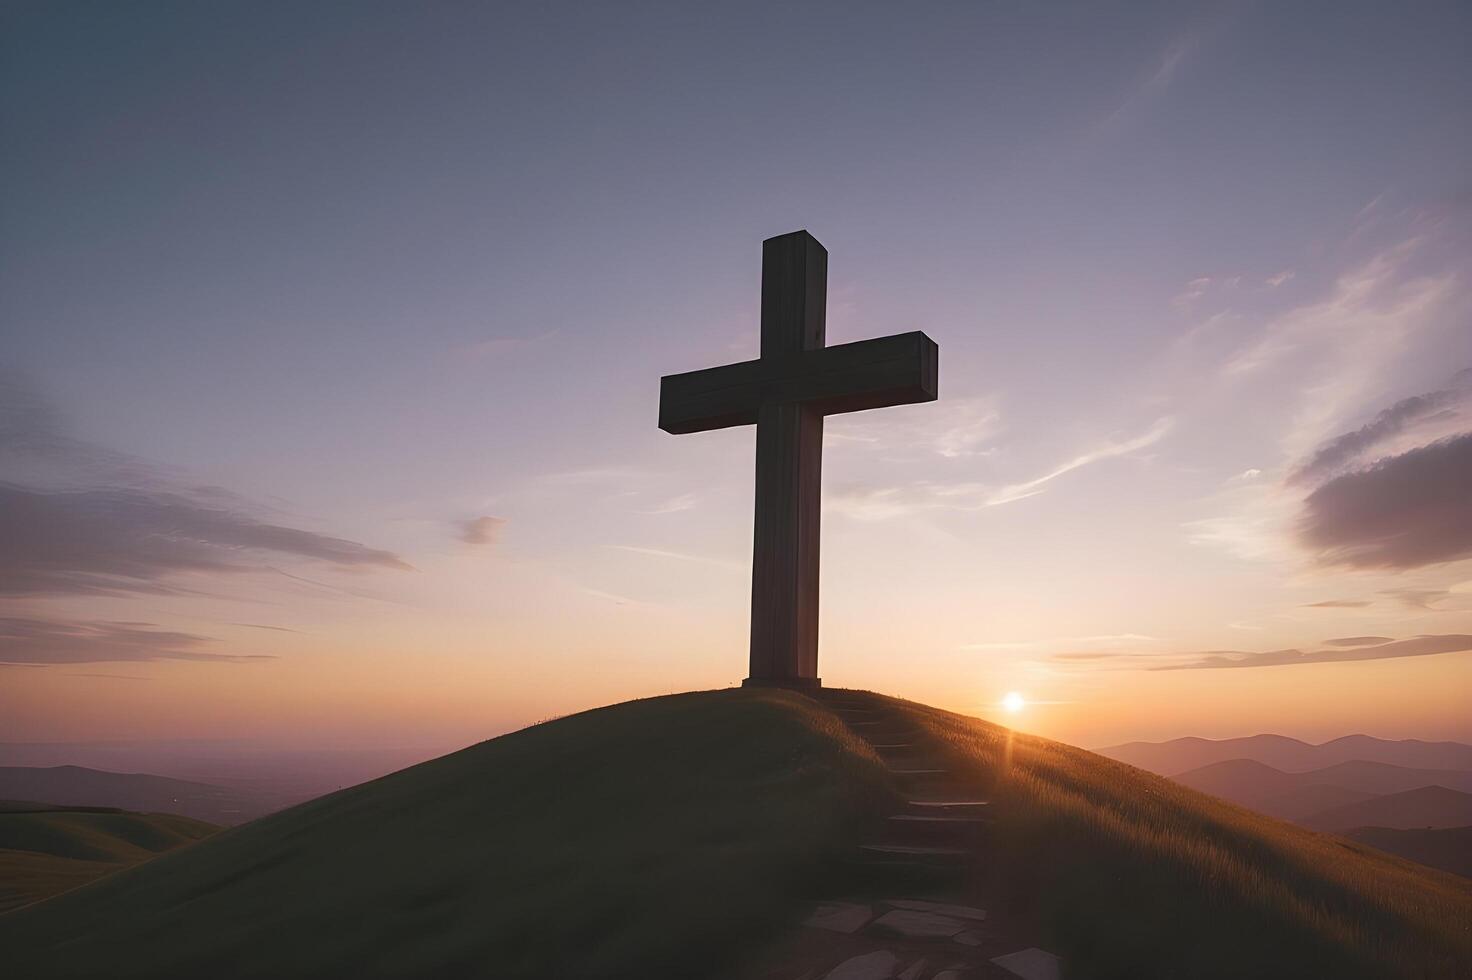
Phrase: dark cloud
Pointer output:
(25, 640)
(116, 541)
(1344, 450)
(1404, 512)
(481, 530)
(1338, 604)
(1359, 641)
(1420, 646)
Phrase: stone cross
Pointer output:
(785, 393)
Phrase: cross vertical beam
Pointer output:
(789, 473)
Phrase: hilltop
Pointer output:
(664, 837)
(46, 850)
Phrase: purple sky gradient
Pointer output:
(399, 281)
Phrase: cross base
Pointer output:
(794, 683)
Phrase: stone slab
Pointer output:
(840, 916)
(918, 925)
(941, 908)
(1032, 964)
(878, 965)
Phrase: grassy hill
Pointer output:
(632, 840)
(1449, 849)
(1427, 806)
(665, 837)
(46, 850)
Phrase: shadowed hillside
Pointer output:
(626, 841)
(46, 850)
(668, 837)
(1449, 849)
(1427, 806)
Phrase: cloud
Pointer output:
(25, 640)
(1338, 604)
(1279, 279)
(1334, 455)
(685, 501)
(674, 555)
(116, 541)
(1403, 512)
(953, 429)
(1422, 599)
(1106, 450)
(1420, 646)
(1155, 80)
(481, 530)
(85, 520)
(1358, 641)
(879, 503)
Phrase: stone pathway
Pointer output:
(932, 855)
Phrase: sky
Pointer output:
(332, 337)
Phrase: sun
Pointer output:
(1014, 702)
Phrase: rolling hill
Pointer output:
(1449, 849)
(1298, 795)
(46, 850)
(1426, 806)
(79, 786)
(665, 837)
(1290, 754)
(1287, 796)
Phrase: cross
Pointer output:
(786, 392)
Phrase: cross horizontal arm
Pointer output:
(897, 370)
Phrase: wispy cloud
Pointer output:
(674, 555)
(1443, 408)
(1418, 599)
(1154, 80)
(1108, 449)
(1338, 604)
(1101, 639)
(30, 640)
(1420, 646)
(880, 503)
(118, 541)
(674, 505)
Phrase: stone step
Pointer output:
(951, 807)
(909, 828)
(915, 852)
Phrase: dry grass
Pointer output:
(1134, 875)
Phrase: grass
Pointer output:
(45, 851)
(637, 840)
(1132, 875)
(660, 838)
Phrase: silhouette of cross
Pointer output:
(786, 393)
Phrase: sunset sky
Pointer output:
(332, 337)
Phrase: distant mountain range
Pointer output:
(1290, 754)
(77, 786)
(1409, 797)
